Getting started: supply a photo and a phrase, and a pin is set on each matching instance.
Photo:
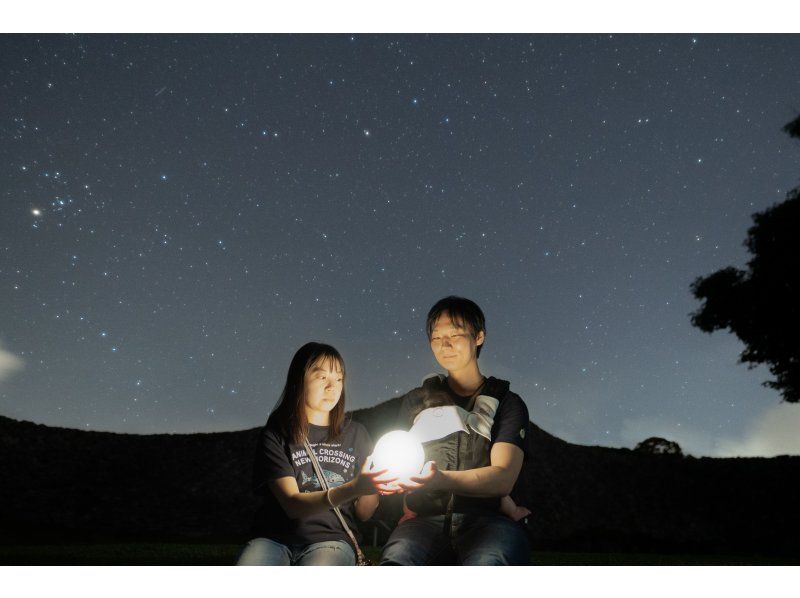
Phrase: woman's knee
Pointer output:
(332, 553)
(262, 551)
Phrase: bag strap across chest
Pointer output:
(324, 485)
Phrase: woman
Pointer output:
(297, 524)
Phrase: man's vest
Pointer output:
(466, 444)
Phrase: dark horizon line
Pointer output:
(610, 448)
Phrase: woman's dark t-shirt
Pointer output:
(340, 461)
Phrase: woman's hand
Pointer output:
(369, 481)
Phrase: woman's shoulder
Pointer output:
(357, 436)
(358, 432)
(355, 427)
(272, 433)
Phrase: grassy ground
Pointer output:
(226, 554)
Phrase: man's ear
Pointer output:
(479, 338)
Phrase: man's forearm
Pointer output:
(484, 482)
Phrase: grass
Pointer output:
(226, 554)
(120, 554)
(610, 558)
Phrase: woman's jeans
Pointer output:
(262, 551)
(486, 539)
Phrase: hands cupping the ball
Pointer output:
(397, 465)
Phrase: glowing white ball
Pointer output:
(399, 452)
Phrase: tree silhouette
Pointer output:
(659, 446)
(793, 128)
(761, 305)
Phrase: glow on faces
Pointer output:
(322, 385)
(454, 347)
(399, 452)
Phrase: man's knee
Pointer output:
(492, 558)
(414, 542)
(495, 541)
(400, 551)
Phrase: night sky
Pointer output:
(181, 213)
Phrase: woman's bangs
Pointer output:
(330, 362)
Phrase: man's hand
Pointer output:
(429, 478)
(494, 480)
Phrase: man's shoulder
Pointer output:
(512, 398)
(511, 421)
(501, 390)
(513, 402)
(511, 409)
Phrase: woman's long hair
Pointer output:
(289, 416)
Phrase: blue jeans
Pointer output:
(486, 539)
(262, 551)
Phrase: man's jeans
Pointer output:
(262, 551)
(486, 539)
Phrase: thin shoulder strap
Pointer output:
(324, 485)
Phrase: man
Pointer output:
(454, 506)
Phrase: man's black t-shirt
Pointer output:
(510, 420)
(510, 425)
(340, 461)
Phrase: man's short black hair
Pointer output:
(464, 314)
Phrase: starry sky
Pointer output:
(181, 213)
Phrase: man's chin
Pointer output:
(449, 364)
